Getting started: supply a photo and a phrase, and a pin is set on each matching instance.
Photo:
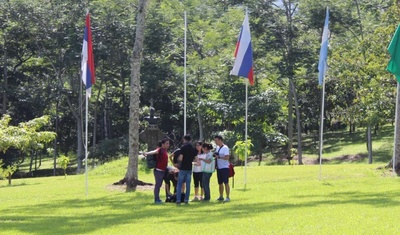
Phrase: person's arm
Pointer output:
(151, 152)
(225, 155)
(208, 161)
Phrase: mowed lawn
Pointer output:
(349, 199)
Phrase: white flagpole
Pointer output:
(86, 145)
(321, 128)
(245, 138)
(184, 99)
(395, 130)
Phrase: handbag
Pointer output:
(208, 167)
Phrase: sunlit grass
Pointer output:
(349, 199)
(340, 143)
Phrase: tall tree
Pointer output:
(131, 175)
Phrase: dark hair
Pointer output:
(187, 138)
(218, 137)
(161, 142)
(208, 146)
(199, 143)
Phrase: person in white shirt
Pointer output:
(222, 157)
(198, 174)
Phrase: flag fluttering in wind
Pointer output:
(394, 51)
(323, 54)
(244, 54)
(87, 65)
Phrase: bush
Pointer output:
(110, 149)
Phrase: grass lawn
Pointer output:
(340, 143)
(349, 199)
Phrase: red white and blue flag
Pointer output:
(87, 64)
(244, 54)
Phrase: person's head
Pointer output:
(218, 140)
(165, 143)
(187, 138)
(207, 147)
(199, 145)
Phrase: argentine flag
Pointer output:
(243, 65)
(87, 64)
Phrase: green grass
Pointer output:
(340, 143)
(349, 199)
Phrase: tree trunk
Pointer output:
(199, 118)
(369, 144)
(296, 104)
(30, 164)
(397, 136)
(5, 81)
(290, 121)
(80, 151)
(131, 175)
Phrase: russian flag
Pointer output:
(244, 54)
(87, 64)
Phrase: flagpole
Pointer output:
(86, 145)
(395, 131)
(321, 128)
(245, 138)
(184, 99)
(322, 67)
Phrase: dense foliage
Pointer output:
(40, 46)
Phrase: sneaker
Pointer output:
(220, 199)
(158, 202)
(178, 203)
(227, 199)
(195, 199)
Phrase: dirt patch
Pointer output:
(122, 187)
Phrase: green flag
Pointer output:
(394, 51)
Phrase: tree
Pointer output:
(25, 136)
(131, 175)
(63, 162)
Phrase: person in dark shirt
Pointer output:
(186, 157)
(170, 176)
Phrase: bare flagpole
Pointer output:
(184, 99)
(245, 138)
(395, 130)
(86, 146)
(321, 132)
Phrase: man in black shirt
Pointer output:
(186, 157)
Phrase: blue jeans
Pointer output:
(206, 185)
(158, 176)
(183, 176)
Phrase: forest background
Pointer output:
(41, 43)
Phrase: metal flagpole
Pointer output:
(86, 145)
(245, 138)
(184, 99)
(395, 130)
(321, 128)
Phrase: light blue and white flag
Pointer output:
(323, 54)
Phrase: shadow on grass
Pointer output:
(111, 212)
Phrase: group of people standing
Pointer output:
(199, 161)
